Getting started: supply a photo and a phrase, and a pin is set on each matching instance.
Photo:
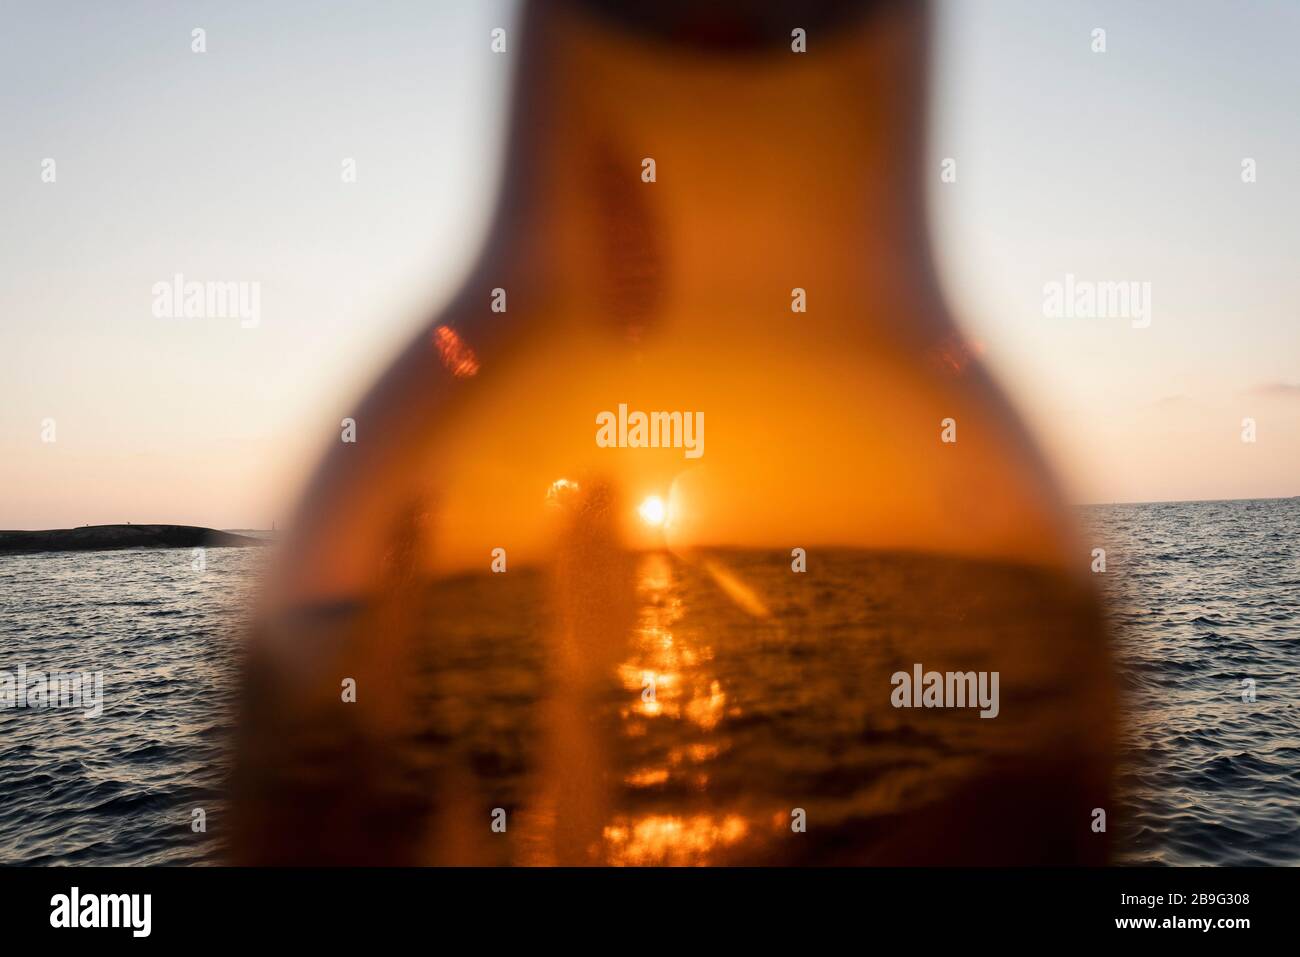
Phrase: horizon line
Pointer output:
(254, 528)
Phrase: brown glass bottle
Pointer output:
(571, 645)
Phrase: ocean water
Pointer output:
(120, 788)
(758, 707)
(768, 692)
(1204, 595)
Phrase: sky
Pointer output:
(1117, 166)
(1126, 165)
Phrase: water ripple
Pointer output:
(120, 788)
(1203, 596)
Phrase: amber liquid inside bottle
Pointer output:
(577, 642)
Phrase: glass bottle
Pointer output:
(514, 622)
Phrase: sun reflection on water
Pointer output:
(665, 839)
(667, 677)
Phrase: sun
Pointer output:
(652, 511)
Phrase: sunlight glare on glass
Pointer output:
(653, 511)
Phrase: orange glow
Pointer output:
(665, 839)
(652, 511)
(456, 356)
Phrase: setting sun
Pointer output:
(652, 511)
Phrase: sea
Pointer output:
(1201, 600)
(1205, 600)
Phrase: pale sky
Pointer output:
(1123, 165)
(1126, 165)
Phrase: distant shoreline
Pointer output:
(90, 538)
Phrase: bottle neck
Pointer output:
(674, 171)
